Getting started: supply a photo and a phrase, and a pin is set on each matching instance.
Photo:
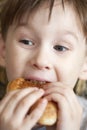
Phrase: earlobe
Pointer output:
(83, 75)
(2, 52)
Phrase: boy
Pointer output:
(45, 41)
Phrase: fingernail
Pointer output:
(44, 100)
(41, 90)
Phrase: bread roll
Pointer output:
(49, 116)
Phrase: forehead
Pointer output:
(33, 9)
(59, 24)
(59, 15)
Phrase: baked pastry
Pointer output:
(49, 117)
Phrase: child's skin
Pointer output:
(52, 51)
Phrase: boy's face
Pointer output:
(52, 51)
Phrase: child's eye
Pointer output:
(27, 42)
(60, 48)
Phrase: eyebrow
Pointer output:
(71, 33)
(27, 26)
(66, 32)
(21, 25)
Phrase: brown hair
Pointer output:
(14, 10)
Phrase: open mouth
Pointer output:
(37, 81)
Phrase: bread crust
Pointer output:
(50, 114)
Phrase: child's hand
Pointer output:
(15, 106)
(70, 111)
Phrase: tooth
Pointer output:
(36, 82)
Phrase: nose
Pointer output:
(41, 61)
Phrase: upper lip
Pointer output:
(38, 79)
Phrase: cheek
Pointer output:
(68, 72)
(15, 62)
(68, 76)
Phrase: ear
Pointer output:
(2, 52)
(83, 75)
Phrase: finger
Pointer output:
(63, 105)
(25, 104)
(54, 84)
(68, 93)
(6, 98)
(13, 101)
(35, 115)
